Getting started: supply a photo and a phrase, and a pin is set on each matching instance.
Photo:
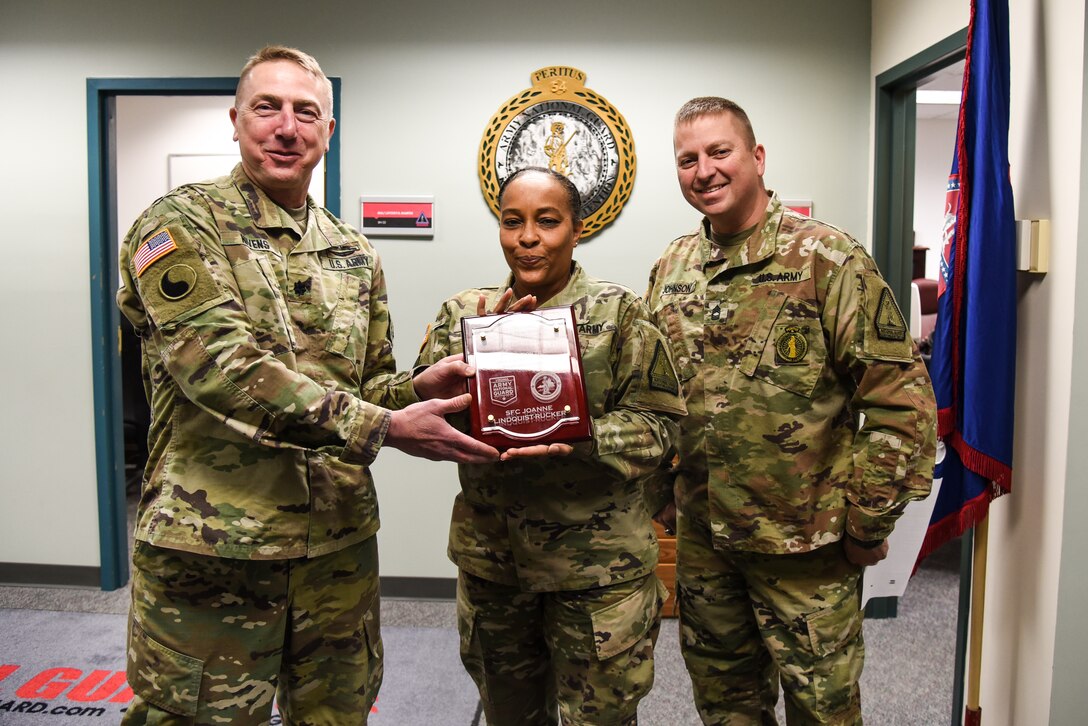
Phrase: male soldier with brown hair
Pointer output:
(810, 424)
(269, 367)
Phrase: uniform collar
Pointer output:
(266, 214)
(760, 246)
(576, 275)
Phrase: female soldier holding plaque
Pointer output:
(558, 607)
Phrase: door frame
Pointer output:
(893, 235)
(105, 317)
(893, 168)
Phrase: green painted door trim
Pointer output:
(893, 184)
(893, 236)
(105, 318)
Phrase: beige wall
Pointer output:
(421, 78)
(1045, 145)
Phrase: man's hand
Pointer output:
(861, 555)
(421, 430)
(667, 518)
(444, 379)
(537, 450)
(522, 305)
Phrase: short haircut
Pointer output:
(282, 52)
(710, 105)
(573, 197)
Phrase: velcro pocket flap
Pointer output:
(163, 677)
(621, 625)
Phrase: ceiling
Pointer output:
(946, 79)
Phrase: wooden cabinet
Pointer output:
(666, 568)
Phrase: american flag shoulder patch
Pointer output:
(155, 247)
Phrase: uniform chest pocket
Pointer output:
(596, 353)
(786, 348)
(264, 303)
(346, 327)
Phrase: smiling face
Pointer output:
(720, 170)
(538, 234)
(282, 127)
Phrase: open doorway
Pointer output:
(145, 141)
(913, 157)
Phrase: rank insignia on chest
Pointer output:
(791, 346)
(889, 321)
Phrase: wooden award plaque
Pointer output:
(529, 387)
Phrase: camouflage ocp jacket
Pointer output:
(781, 348)
(268, 363)
(581, 521)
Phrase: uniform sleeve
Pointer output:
(636, 434)
(382, 385)
(189, 309)
(658, 487)
(436, 341)
(894, 447)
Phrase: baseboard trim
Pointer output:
(21, 574)
(420, 588)
(31, 575)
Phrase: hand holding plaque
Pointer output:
(529, 387)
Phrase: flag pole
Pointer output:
(973, 716)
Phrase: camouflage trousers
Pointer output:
(212, 640)
(588, 654)
(748, 620)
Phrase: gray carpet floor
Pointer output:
(62, 659)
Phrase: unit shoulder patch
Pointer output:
(889, 321)
(177, 282)
(178, 289)
(661, 376)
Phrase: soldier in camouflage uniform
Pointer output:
(557, 602)
(268, 363)
(784, 334)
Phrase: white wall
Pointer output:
(149, 129)
(934, 141)
(165, 141)
(1045, 146)
(421, 78)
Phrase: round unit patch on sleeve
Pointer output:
(178, 287)
(177, 282)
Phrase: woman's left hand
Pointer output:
(537, 451)
(522, 305)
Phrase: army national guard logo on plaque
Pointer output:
(564, 126)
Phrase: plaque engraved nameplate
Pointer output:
(529, 387)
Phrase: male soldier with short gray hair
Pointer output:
(269, 367)
(810, 425)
